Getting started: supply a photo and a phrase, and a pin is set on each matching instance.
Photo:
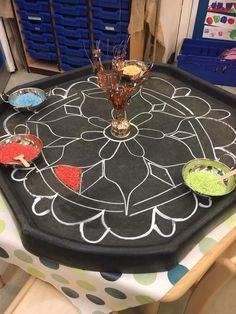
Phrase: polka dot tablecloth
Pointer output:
(95, 292)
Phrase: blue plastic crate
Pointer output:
(110, 26)
(72, 51)
(123, 4)
(42, 55)
(72, 31)
(110, 48)
(110, 14)
(70, 20)
(70, 9)
(33, 16)
(106, 57)
(67, 67)
(77, 2)
(44, 37)
(110, 36)
(201, 58)
(38, 45)
(40, 6)
(35, 26)
(74, 61)
(76, 43)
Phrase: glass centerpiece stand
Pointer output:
(120, 79)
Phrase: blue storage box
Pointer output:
(70, 9)
(44, 37)
(76, 43)
(109, 47)
(201, 58)
(70, 20)
(110, 26)
(38, 45)
(36, 26)
(110, 36)
(33, 16)
(72, 31)
(110, 14)
(41, 6)
(67, 67)
(71, 51)
(74, 61)
(77, 2)
(42, 55)
(117, 4)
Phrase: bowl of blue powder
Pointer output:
(27, 99)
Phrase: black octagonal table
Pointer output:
(120, 204)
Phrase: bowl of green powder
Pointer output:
(203, 177)
(26, 99)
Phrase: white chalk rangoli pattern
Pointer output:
(169, 128)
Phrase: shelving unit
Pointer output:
(72, 27)
(33, 64)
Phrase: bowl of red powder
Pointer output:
(26, 145)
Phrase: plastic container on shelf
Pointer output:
(71, 51)
(201, 58)
(38, 6)
(110, 14)
(71, 31)
(43, 37)
(74, 61)
(38, 45)
(110, 47)
(106, 57)
(76, 2)
(33, 16)
(67, 67)
(76, 43)
(70, 9)
(42, 55)
(117, 4)
(110, 36)
(108, 25)
(70, 20)
(36, 26)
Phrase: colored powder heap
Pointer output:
(26, 100)
(69, 175)
(11, 150)
(206, 182)
(131, 70)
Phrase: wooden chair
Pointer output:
(214, 281)
(37, 297)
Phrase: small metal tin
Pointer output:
(214, 166)
(36, 91)
(25, 139)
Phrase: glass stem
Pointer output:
(119, 114)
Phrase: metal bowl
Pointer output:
(213, 166)
(11, 99)
(25, 139)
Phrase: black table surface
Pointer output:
(132, 212)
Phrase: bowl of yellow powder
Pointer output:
(203, 177)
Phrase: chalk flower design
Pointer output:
(129, 187)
